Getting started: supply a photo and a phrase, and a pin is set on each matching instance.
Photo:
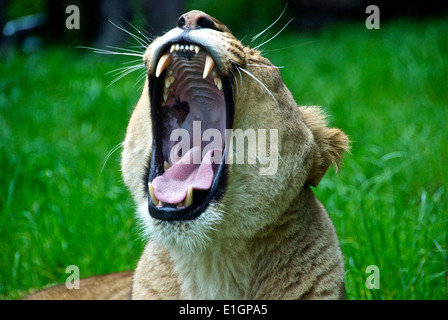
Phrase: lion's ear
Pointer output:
(330, 145)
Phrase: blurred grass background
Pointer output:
(387, 89)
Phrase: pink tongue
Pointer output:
(172, 186)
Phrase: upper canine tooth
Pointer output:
(209, 64)
(196, 49)
(164, 62)
(189, 197)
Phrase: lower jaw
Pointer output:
(171, 213)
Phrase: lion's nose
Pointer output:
(195, 20)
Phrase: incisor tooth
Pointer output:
(173, 47)
(189, 197)
(152, 195)
(196, 49)
(209, 64)
(166, 165)
(164, 62)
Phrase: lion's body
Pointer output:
(268, 237)
(299, 258)
(115, 286)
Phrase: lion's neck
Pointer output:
(232, 269)
(218, 272)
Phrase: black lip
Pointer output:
(202, 199)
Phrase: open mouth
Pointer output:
(192, 106)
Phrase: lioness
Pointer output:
(224, 229)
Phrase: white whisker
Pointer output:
(118, 146)
(131, 61)
(238, 69)
(142, 42)
(265, 66)
(125, 73)
(140, 77)
(259, 34)
(294, 46)
(126, 50)
(133, 51)
(270, 39)
(148, 38)
(122, 69)
(261, 83)
(236, 83)
(104, 51)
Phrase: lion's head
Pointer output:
(202, 85)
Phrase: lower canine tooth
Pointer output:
(164, 62)
(189, 197)
(218, 83)
(152, 195)
(209, 64)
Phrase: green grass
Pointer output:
(58, 123)
(385, 88)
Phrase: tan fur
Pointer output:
(115, 286)
(268, 237)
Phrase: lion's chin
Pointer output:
(193, 235)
